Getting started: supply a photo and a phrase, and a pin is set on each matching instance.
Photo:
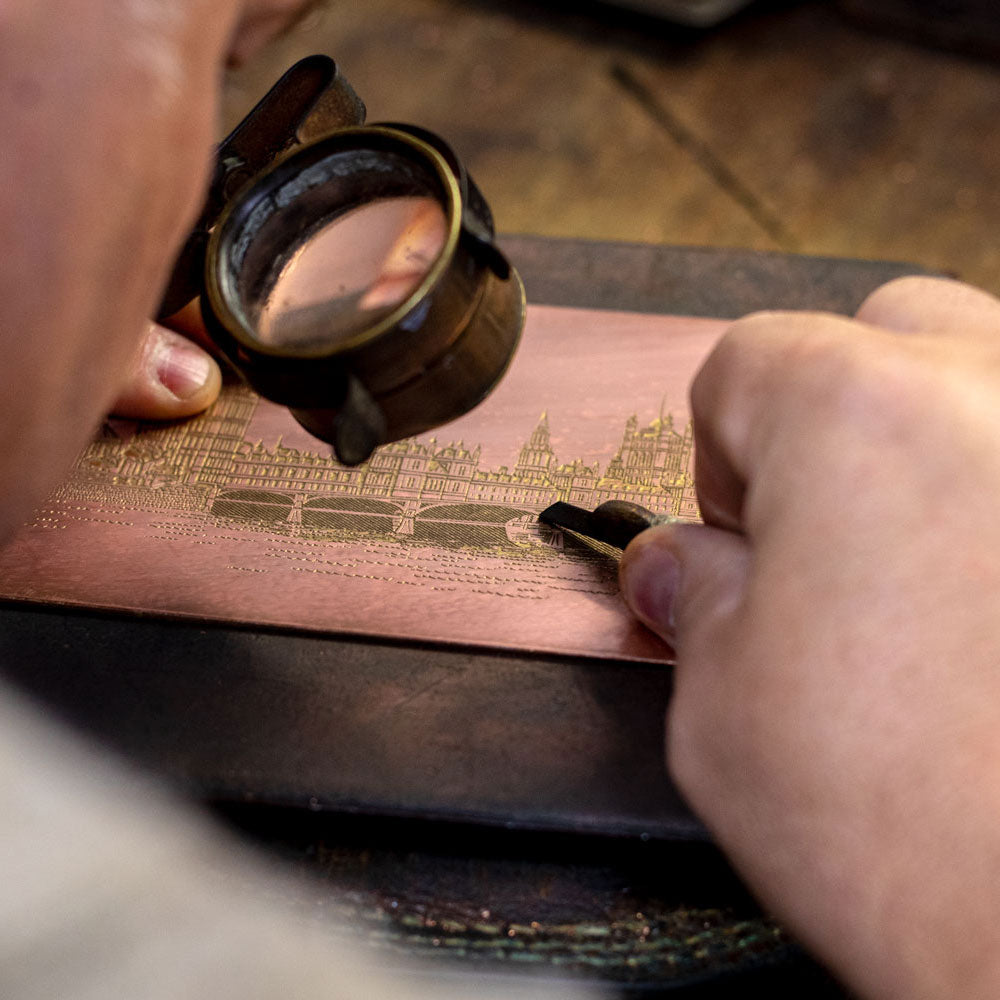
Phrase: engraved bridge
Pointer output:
(434, 522)
(423, 491)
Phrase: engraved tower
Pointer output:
(536, 458)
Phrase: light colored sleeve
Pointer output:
(112, 889)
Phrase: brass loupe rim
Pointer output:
(223, 297)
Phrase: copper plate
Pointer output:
(240, 516)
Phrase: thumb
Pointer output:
(170, 377)
(684, 581)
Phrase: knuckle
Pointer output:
(886, 296)
(750, 348)
(825, 369)
(912, 304)
(780, 379)
(725, 363)
(861, 379)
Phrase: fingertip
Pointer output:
(649, 576)
(172, 378)
(682, 580)
(187, 373)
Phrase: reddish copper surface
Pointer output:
(241, 516)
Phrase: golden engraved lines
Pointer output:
(419, 493)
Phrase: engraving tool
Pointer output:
(615, 522)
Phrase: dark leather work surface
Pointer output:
(240, 715)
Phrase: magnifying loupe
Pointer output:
(347, 271)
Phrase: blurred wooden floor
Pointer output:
(787, 129)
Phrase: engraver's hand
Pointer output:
(836, 718)
(170, 377)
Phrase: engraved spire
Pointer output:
(536, 456)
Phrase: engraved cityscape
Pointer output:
(422, 492)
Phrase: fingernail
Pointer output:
(183, 369)
(650, 578)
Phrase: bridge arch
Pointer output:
(485, 513)
(467, 523)
(259, 506)
(365, 514)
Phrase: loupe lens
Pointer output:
(355, 281)
(332, 241)
(352, 271)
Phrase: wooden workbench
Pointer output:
(789, 128)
